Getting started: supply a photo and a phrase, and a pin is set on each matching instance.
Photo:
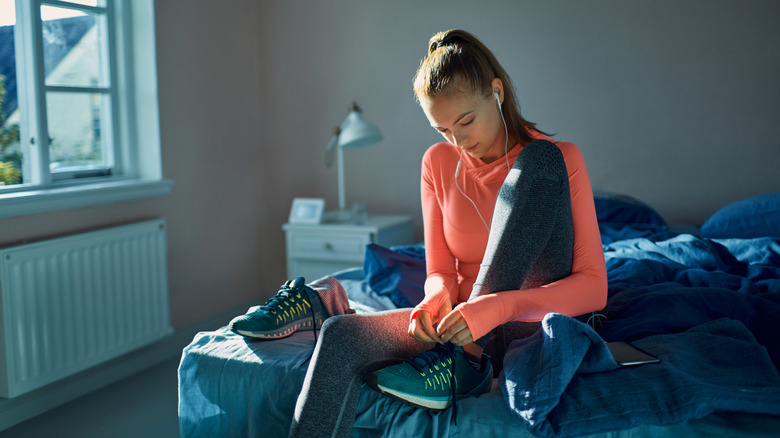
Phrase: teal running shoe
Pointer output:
(295, 307)
(434, 379)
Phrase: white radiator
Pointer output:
(73, 302)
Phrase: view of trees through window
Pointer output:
(10, 154)
(76, 112)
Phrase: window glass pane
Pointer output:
(10, 151)
(87, 2)
(79, 127)
(74, 47)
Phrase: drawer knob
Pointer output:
(328, 246)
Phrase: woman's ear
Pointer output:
(498, 87)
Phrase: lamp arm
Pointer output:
(342, 196)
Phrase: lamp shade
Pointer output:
(356, 132)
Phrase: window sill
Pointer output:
(42, 201)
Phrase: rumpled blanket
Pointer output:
(751, 266)
(663, 285)
(563, 381)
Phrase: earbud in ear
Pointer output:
(495, 93)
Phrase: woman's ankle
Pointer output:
(473, 349)
(332, 296)
(473, 354)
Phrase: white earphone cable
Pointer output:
(457, 171)
(506, 133)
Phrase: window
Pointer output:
(77, 83)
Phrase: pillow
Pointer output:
(619, 211)
(758, 216)
(397, 272)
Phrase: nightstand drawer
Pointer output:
(333, 246)
(317, 250)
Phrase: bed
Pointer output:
(705, 300)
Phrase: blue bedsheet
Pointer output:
(231, 387)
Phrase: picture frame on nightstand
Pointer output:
(307, 211)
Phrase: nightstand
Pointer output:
(314, 251)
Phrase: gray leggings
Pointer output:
(530, 244)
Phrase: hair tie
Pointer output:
(440, 44)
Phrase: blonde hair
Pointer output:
(455, 57)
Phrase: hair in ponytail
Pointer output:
(455, 56)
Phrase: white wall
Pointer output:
(674, 102)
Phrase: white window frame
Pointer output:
(135, 119)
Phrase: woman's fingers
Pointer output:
(448, 321)
(462, 337)
(453, 328)
(422, 329)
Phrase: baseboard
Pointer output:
(16, 410)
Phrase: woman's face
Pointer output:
(468, 120)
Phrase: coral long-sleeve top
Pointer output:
(456, 238)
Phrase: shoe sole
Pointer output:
(280, 333)
(433, 403)
(437, 404)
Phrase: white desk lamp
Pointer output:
(353, 133)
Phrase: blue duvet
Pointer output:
(564, 382)
(707, 308)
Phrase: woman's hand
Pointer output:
(421, 325)
(453, 328)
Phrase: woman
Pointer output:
(510, 235)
